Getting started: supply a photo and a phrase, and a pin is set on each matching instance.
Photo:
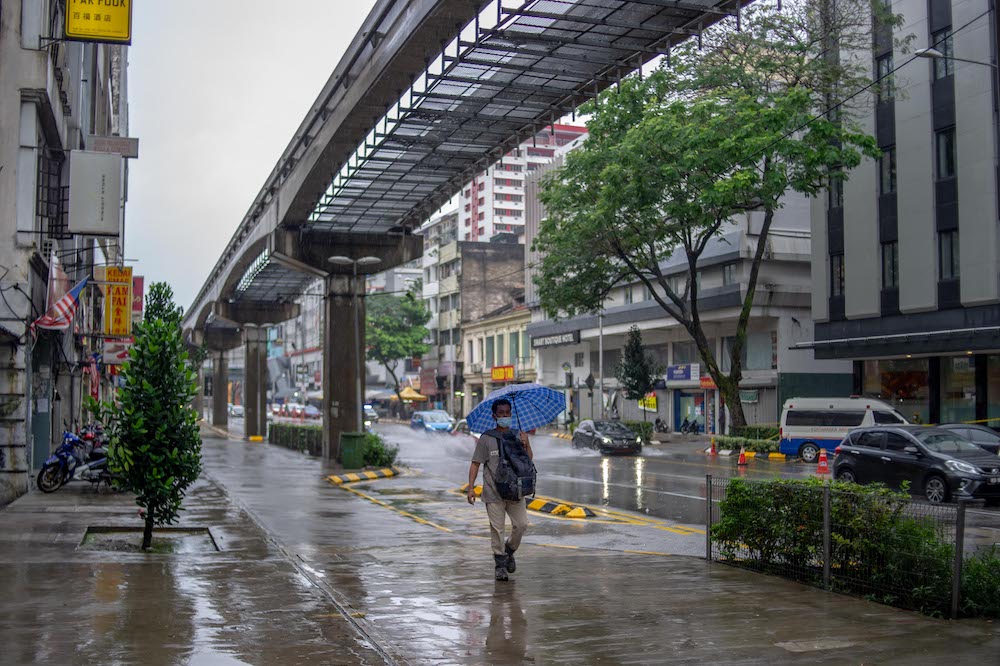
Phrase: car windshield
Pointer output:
(431, 417)
(942, 441)
(612, 428)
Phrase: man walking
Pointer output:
(487, 453)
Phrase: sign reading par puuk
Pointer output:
(99, 21)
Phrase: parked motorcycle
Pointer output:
(77, 458)
(659, 425)
(690, 427)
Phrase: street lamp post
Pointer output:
(934, 54)
(354, 263)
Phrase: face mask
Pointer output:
(504, 421)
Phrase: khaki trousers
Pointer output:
(518, 512)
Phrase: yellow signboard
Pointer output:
(502, 373)
(99, 21)
(117, 300)
(648, 403)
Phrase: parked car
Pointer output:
(934, 462)
(986, 438)
(810, 424)
(430, 422)
(235, 410)
(311, 412)
(371, 414)
(607, 437)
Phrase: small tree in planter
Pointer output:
(637, 370)
(155, 447)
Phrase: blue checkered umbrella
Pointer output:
(532, 406)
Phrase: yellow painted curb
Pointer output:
(543, 505)
(354, 477)
(256, 438)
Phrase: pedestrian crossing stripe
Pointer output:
(353, 477)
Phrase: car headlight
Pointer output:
(368, 424)
(606, 440)
(638, 440)
(959, 466)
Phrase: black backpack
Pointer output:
(515, 474)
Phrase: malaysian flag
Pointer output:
(60, 315)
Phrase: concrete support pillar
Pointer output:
(198, 404)
(342, 349)
(220, 390)
(255, 383)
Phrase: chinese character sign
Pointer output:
(137, 285)
(99, 21)
(502, 373)
(118, 301)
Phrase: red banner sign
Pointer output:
(502, 373)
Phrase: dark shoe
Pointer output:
(501, 562)
(511, 565)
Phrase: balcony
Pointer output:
(431, 290)
(448, 285)
(450, 319)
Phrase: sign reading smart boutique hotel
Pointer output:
(99, 21)
(571, 338)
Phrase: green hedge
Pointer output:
(754, 445)
(880, 547)
(304, 438)
(756, 432)
(309, 439)
(642, 428)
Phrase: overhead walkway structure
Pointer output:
(429, 93)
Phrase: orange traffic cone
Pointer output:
(743, 457)
(713, 452)
(824, 466)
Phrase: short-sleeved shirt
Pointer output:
(487, 454)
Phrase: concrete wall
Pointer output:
(492, 274)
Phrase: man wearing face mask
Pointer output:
(488, 453)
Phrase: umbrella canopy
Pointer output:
(532, 406)
(409, 394)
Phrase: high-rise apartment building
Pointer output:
(493, 202)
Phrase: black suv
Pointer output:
(937, 463)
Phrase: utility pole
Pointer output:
(600, 363)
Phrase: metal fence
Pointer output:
(870, 542)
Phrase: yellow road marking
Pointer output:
(406, 514)
(647, 552)
(371, 475)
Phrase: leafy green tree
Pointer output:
(637, 371)
(395, 330)
(160, 304)
(672, 158)
(155, 447)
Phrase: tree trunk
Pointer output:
(730, 391)
(147, 532)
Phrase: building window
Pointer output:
(471, 358)
(837, 275)
(578, 360)
(948, 254)
(482, 215)
(629, 297)
(729, 274)
(488, 358)
(887, 171)
(499, 350)
(883, 71)
(836, 191)
(890, 265)
(514, 340)
(944, 42)
(945, 140)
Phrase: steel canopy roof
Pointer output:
(514, 70)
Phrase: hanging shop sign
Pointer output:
(502, 373)
(108, 21)
(571, 338)
(95, 187)
(116, 350)
(648, 403)
(138, 282)
(117, 290)
(126, 146)
(684, 373)
(707, 383)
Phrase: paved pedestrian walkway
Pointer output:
(334, 578)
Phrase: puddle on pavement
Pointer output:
(166, 540)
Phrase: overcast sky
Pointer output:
(216, 91)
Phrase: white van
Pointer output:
(809, 424)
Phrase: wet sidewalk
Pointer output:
(230, 597)
(429, 591)
(334, 578)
